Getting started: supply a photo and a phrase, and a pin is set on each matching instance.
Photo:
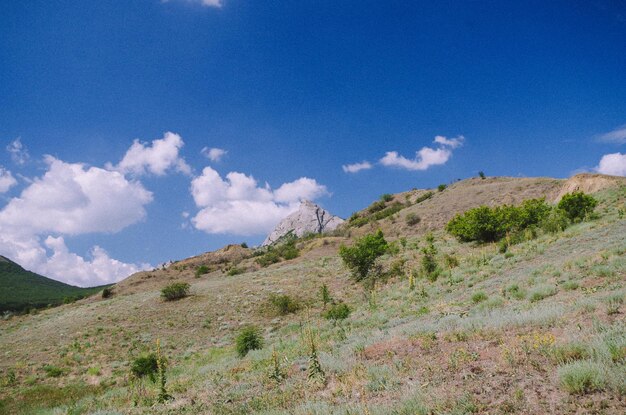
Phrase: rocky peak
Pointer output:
(309, 218)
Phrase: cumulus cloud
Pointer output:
(6, 180)
(426, 157)
(618, 136)
(158, 158)
(71, 199)
(213, 154)
(19, 153)
(356, 167)
(612, 164)
(238, 205)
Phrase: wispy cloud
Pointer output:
(617, 136)
(426, 157)
(205, 3)
(213, 154)
(356, 167)
(19, 153)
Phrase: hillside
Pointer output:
(21, 289)
(539, 328)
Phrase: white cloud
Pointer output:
(71, 199)
(238, 205)
(19, 153)
(618, 135)
(450, 142)
(213, 154)
(612, 164)
(356, 167)
(157, 159)
(426, 157)
(6, 180)
(205, 3)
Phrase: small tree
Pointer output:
(249, 338)
(430, 268)
(481, 174)
(175, 291)
(362, 256)
(577, 205)
(325, 295)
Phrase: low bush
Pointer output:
(541, 292)
(249, 338)
(442, 187)
(479, 297)
(53, 371)
(235, 271)
(145, 366)
(283, 304)
(201, 270)
(570, 352)
(361, 257)
(581, 377)
(274, 254)
(175, 291)
(107, 292)
(386, 197)
(413, 219)
(339, 311)
(424, 197)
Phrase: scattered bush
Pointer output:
(362, 256)
(424, 197)
(413, 219)
(571, 352)
(577, 205)
(451, 261)
(274, 254)
(325, 295)
(386, 197)
(107, 292)
(376, 206)
(244, 245)
(481, 174)
(430, 268)
(175, 291)
(249, 338)
(145, 366)
(442, 187)
(541, 292)
(556, 221)
(235, 271)
(581, 377)
(284, 304)
(479, 297)
(570, 285)
(53, 371)
(201, 270)
(338, 311)
(515, 291)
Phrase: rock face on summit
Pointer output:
(309, 218)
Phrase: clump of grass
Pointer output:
(479, 297)
(175, 291)
(249, 338)
(582, 377)
(570, 285)
(542, 291)
(338, 311)
(235, 271)
(413, 219)
(201, 270)
(613, 304)
(515, 291)
(283, 304)
(53, 371)
(570, 352)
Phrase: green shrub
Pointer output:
(570, 352)
(481, 174)
(362, 256)
(53, 371)
(570, 285)
(268, 258)
(175, 291)
(235, 271)
(413, 219)
(577, 205)
(145, 366)
(249, 338)
(107, 292)
(274, 254)
(450, 261)
(201, 270)
(515, 291)
(338, 311)
(430, 268)
(541, 292)
(485, 224)
(581, 377)
(442, 187)
(556, 221)
(244, 245)
(284, 304)
(386, 197)
(479, 297)
(424, 197)
(376, 206)
(325, 295)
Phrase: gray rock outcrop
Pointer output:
(309, 218)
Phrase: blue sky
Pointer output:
(297, 94)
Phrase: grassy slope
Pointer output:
(21, 289)
(432, 350)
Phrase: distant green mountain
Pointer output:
(21, 289)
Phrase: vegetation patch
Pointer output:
(175, 291)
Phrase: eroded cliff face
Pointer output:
(309, 218)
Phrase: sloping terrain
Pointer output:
(21, 289)
(537, 329)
